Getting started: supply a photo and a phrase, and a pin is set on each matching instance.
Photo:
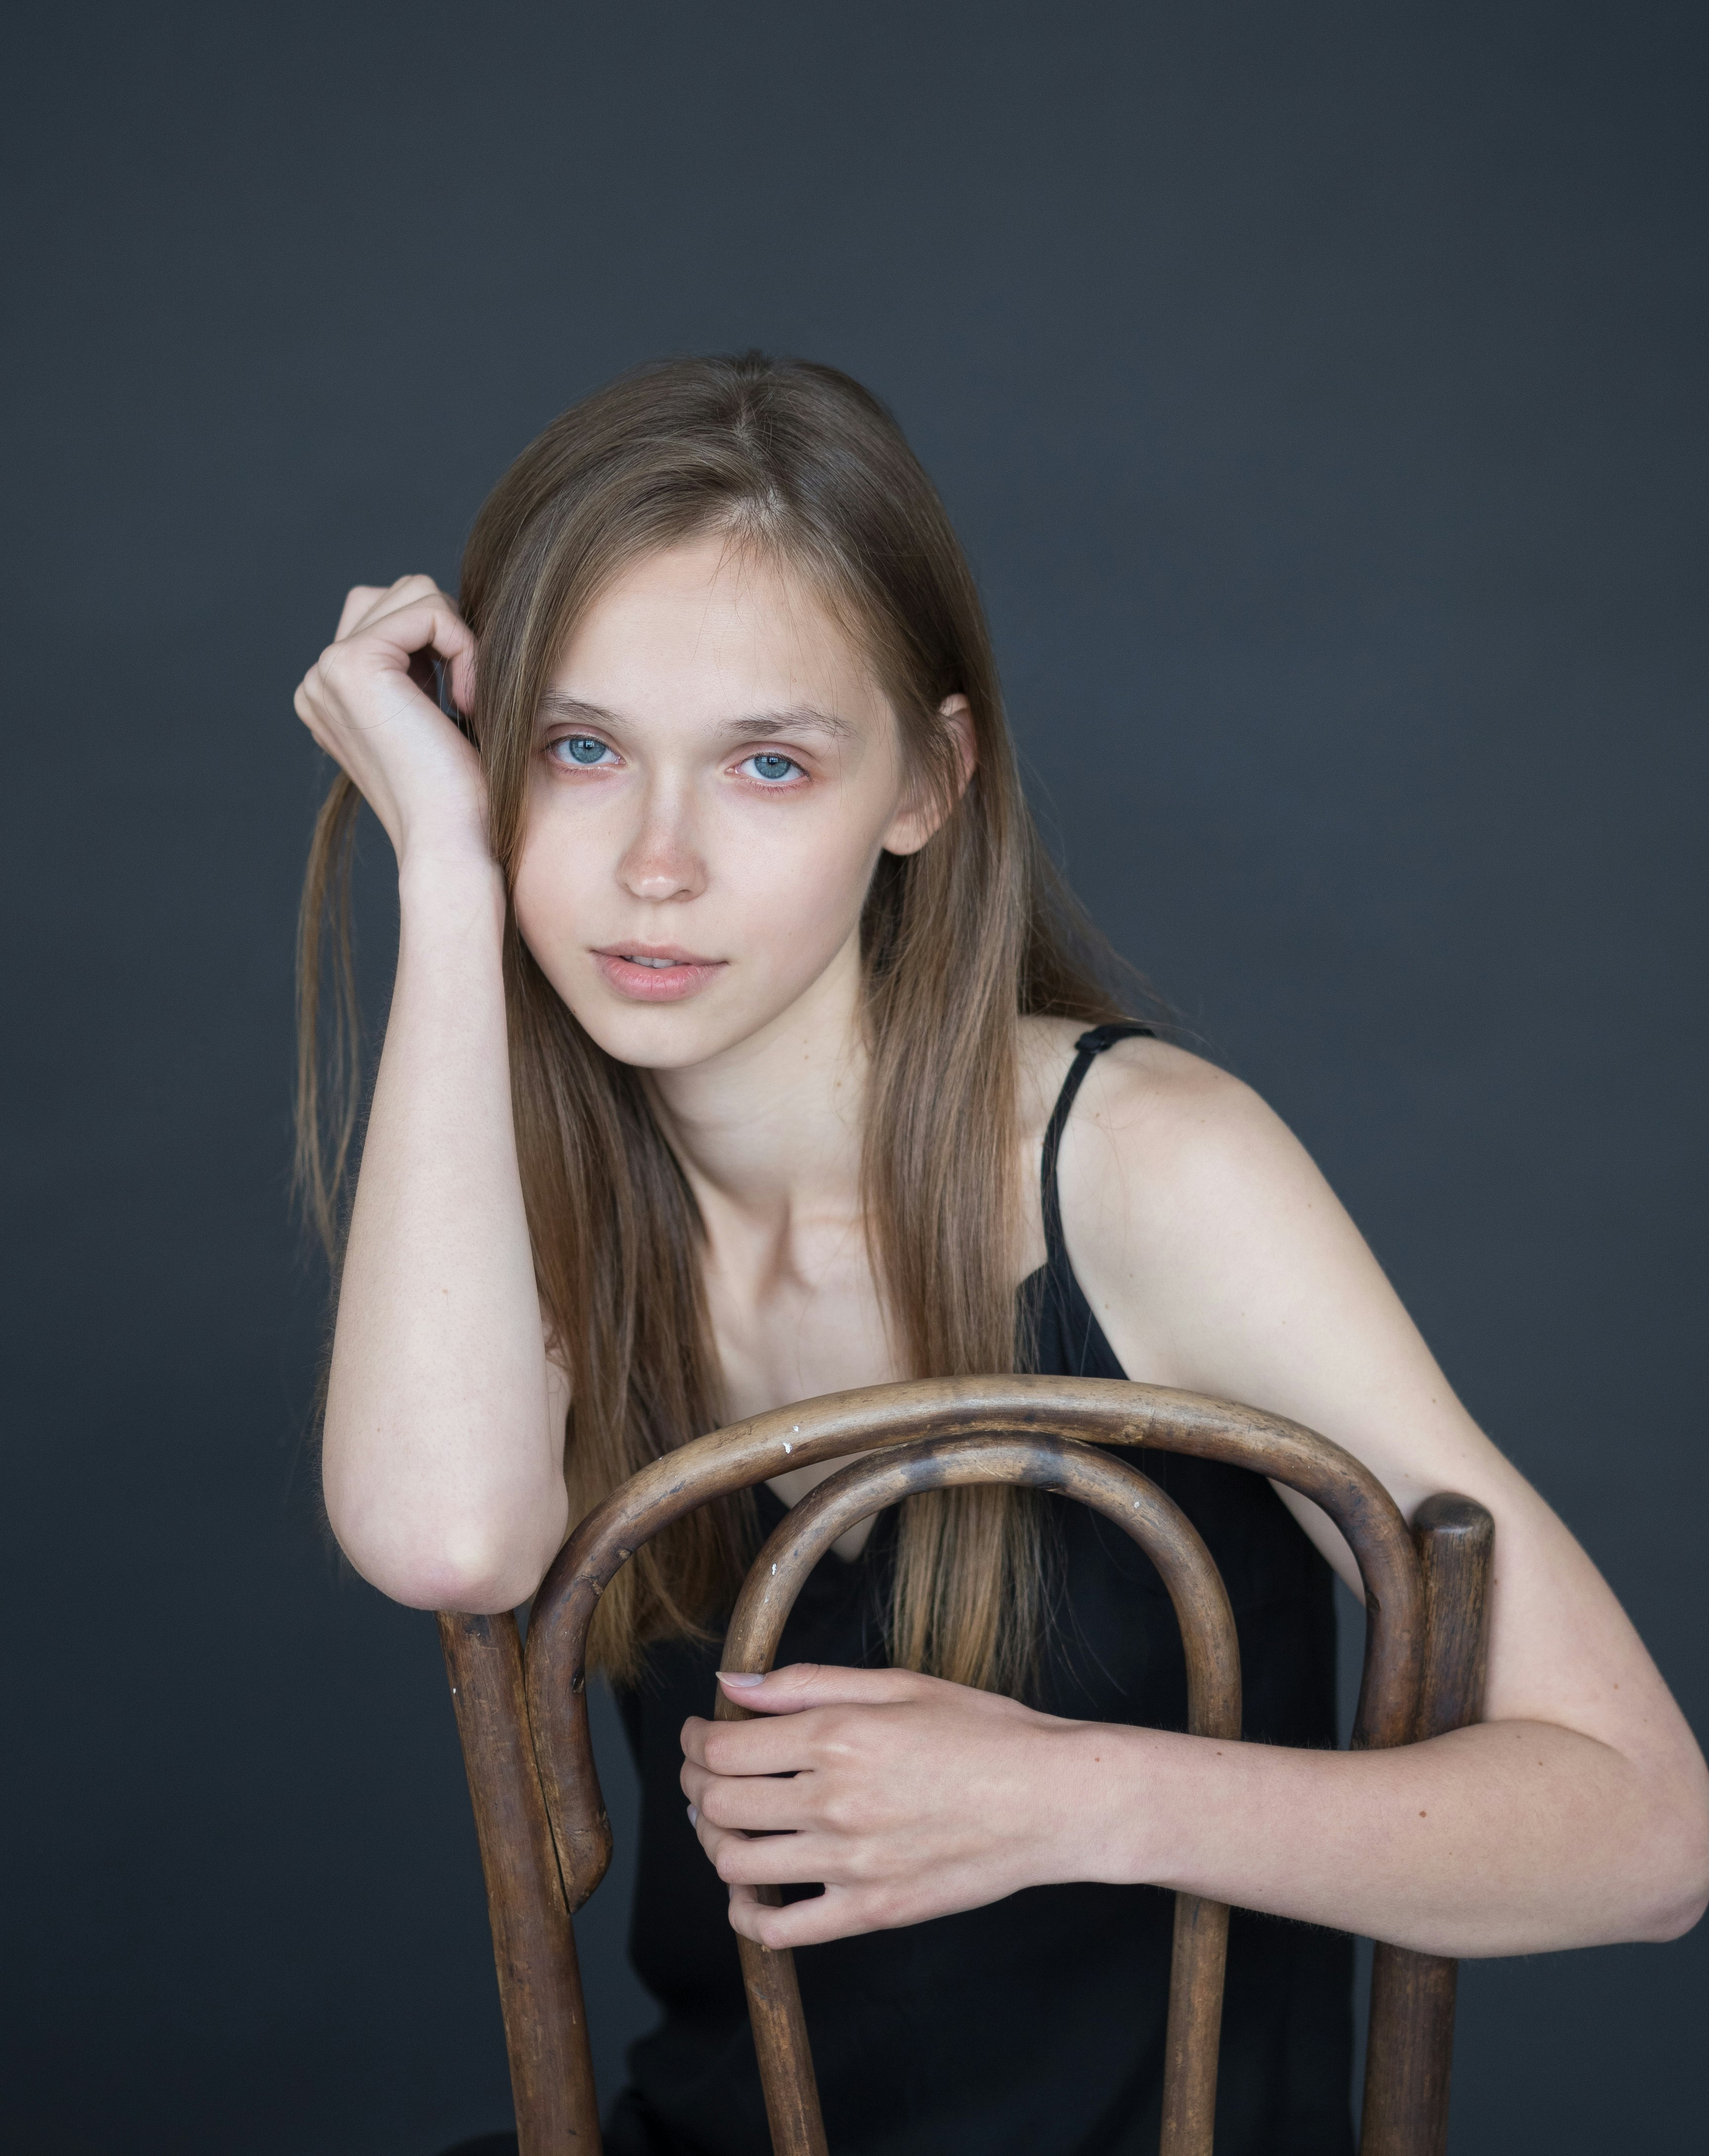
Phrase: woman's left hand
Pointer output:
(908, 1797)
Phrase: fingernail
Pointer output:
(694, 1816)
(742, 1679)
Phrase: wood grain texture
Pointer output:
(1103, 1411)
(780, 2043)
(1409, 2055)
(540, 1983)
(1132, 1502)
(523, 1820)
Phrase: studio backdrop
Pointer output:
(1319, 393)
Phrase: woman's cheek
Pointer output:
(801, 890)
(543, 897)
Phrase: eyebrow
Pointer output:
(555, 707)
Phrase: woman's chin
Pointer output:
(674, 1017)
(666, 1032)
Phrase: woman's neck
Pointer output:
(769, 1132)
(769, 1137)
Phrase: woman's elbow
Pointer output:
(1685, 1905)
(468, 1567)
(450, 1580)
(1677, 1874)
(1681, 1917)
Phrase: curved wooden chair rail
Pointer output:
(545, 1840)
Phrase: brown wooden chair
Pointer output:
(545, 1840)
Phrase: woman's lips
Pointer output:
(656, 973)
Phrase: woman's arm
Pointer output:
(443, 1444)
(1218, 1260)
(1216, 1251)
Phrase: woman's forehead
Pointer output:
(719, 630)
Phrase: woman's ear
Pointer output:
(921, 814)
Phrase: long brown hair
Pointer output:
(800, 463)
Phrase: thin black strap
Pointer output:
(1089, 1047)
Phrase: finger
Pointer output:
(358, 604)
(800, 1685)
(402, 591)
(382, 602)
(840, 1913)
(747, 1748)
(765, 1859)
(759, 1804)
(462, 675)
(453, 640)
(429, 623)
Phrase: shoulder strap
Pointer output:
(1088, 1048)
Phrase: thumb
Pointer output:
(801, 1685)
(462, 671)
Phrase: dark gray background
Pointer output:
(1320, 392)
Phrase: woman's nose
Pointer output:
(663, 862)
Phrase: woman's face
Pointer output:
(715, 774)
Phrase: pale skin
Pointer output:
(716, 775)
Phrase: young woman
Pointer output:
(743, 1049)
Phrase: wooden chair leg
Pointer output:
(1193, 2041)
(1410, 2051)
(540, 1983)
(781, 2044)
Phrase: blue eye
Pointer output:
(582, 747)
(769, 765)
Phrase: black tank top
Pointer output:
(1033, 2026)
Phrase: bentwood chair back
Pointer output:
(545, 1840)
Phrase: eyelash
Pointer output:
(775, 783)
(772, 784)
(578, 763)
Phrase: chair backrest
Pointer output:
(545, 1840)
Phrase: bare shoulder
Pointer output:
(1154, 1134)
(1046, 1050)
(1146, 1107)
(1144, 1086)
(1132, 1082)
(1207, 1240)
(1152, 1122)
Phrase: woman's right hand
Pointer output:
(362, 701)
